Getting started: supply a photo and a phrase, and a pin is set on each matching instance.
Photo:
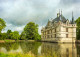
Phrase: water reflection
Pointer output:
(59, 50)
(10, 47)
(44, 48)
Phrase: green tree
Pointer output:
(8, 34)
(31, 31)
(2, 24)
(78, 28)
(15, 35)
(9, 31)
(39, 37)
(3, 36)
(23, 36)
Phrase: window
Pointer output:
(66, 29)
(67, 52)
(48, 31)
(43, 33)
(47, 36)
(55, 30)
(66, 35)
(51, 31)
(43, 36)
(55, 35)
(51, 36)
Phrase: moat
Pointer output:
(42, 48)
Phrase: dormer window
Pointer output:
(67, 22)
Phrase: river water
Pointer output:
(42, 48)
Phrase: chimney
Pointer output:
(72, 18)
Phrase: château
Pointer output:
(59, 29)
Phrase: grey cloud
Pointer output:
(20, 12)
(23, 10)
(69, 2)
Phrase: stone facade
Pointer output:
(59, 29)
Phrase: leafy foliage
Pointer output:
(8, 34)
(15, 35)
(31, 31)
(23, 36)
(9, 31)
(2, 24)
(78, 28)
(3, 36)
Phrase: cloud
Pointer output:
(20, 28)
(19, 12)
(13, 28)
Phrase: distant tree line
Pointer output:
(30, 32)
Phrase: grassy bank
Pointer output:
(9, 40)
(23, 55)
(3, 41)
(16, 55)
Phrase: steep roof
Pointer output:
(60, 18)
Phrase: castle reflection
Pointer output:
(59, 50)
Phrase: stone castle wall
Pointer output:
(61, 33)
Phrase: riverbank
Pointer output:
(9, 40)
(77, 42)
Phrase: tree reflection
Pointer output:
(30, 47)
(78, 50)
(10, 46)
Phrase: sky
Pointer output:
(17, 13)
